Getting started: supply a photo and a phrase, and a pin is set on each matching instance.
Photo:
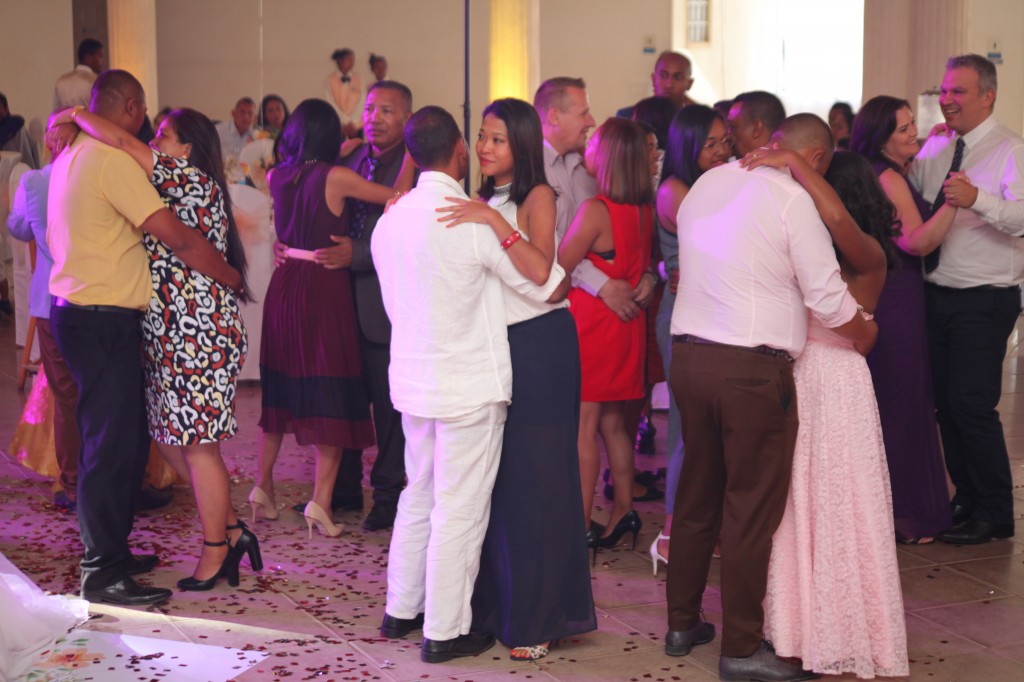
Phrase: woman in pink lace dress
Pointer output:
(834, 596)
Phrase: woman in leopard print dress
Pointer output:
(194, 338)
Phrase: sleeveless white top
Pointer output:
(519, 308)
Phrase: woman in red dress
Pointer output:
(614, 231)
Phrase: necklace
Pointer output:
(503, 190)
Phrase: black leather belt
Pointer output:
(760, 350)
(983, 287)
(59, 302)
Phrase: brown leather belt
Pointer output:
(760, 350)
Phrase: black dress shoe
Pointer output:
(396, 628)
(961, 513)
(975, 532)
(347, 502)
(382, 516)
(648, 495)
(472, 644)
(763, 666)
(127, 592)
(141, 563)
(150, 498)
(645, 437)
(681, 642)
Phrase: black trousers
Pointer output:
(103, 350)
(388, 474)
(967, 334)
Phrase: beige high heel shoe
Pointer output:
(266, 504)
(314, 513)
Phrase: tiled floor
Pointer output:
(315, 608)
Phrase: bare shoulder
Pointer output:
(595, 209)
(539, 195)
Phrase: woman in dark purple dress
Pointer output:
(884, 132)
(310, 368)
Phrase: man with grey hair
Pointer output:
(565, 119)
(973, 292)
(749, 272)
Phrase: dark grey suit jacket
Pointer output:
(373, 321)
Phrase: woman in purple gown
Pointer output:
(884, 132)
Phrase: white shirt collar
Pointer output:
(980, 131)
(438, 178)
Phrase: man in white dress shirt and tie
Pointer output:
(973, 292)
(451, 378)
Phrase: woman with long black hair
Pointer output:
(534, 582)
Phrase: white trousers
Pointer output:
(442, 518)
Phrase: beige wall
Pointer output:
(210, 52)
(808, 52)
(36, 47)
(1001, 24)
(906, 43)
(603, 41)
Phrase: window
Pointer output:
(696, 21)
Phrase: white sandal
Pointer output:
(532, 653)
(655, 554)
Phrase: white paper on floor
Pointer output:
(112, 657)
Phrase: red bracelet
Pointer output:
(510, 240)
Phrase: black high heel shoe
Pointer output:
(247, 543)
(629, 523)
(194, 584)
(593, 535)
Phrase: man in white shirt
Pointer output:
(973, 295)
(451, 378)
(344, 90)
(237, 131)
(75, 87)
(753, 117)
(565, 118)
(754, 256)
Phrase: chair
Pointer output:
(252, 211)
(255, 158)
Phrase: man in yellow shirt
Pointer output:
(100, 203)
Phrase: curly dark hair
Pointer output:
(857, 185)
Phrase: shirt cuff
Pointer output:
(847, 311)
(589, 278)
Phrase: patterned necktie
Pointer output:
(360, 209)
(931, 261)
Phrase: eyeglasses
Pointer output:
(712, 143)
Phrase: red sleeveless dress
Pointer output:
(611, 351)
